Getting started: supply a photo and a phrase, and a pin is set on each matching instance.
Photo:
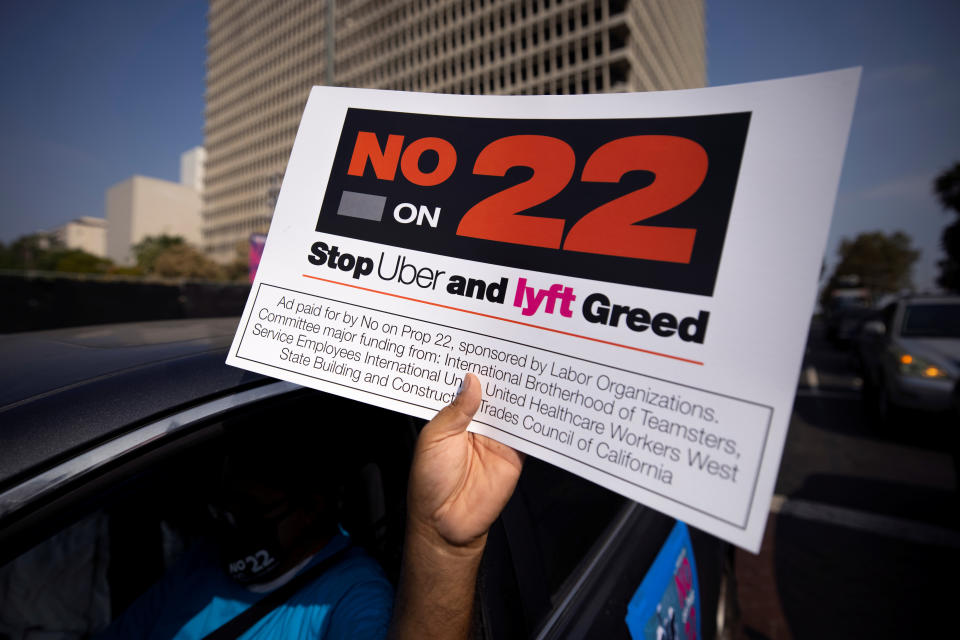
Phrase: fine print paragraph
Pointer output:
(639, 433)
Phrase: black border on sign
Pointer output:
(763, 446)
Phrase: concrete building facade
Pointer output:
(85, 233)
(192, 163)
(140, 206)
(263, 56)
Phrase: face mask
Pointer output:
(249, 547)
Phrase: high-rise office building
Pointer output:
(264, 55)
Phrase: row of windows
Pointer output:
(244, 208)
(601, 78)
(306, 62)
(284, 84)
(287, 101)
(528, 41)
(258, 184)
(658, 63)
(296, 54)
(239, 227)
(255, 148)
(266, 166)
(485, 31)
(554, 61)
(673, 35)
(223, 45)
(653, 78)
(243, 167)
(256, 118)
(446, 12)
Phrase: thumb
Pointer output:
(457, 415)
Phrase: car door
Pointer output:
(567, 556)
(81, 539)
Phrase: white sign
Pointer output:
(631, 276)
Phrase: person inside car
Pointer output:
(286, 570)
(280, 565)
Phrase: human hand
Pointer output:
(460, 481)
(459, 484)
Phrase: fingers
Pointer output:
(455, 417)
(468, 400)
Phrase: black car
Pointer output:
(109, 436)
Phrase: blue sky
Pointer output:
(93, 92)
(96, 91)
(906, 127)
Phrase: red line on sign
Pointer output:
(525, 324)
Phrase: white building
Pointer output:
(191, 168)
(85, 233)
(139, 207)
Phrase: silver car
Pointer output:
(910, 354)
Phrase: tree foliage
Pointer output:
(164, 256)
(947, 188)
(77, 261)
(147, 250)
(183, 261)
(882, 263)
(44, 252)
(238, 269)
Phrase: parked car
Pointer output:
(910, 355)
(110, 437)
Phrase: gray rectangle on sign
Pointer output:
(362, 205)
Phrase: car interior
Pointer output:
(112, 534)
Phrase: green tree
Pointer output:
(7, 260)
(183, 261)
(238, 269)
(78, 261)
(947, 188)
(33, 252)
(882, 263)
(44, 252)
(147, 250)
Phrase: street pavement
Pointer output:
(863, 539)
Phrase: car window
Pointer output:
(133, 526)
(548, 528)
(568, 514)
(931, 321)
(72, 583)
(59, 586)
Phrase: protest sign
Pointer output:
(631, 276)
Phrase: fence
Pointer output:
(34, 301)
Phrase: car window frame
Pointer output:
(50, 494)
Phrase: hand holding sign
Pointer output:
(459, 484)
(460, 481)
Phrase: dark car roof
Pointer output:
(68, 389)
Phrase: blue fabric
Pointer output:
(352, 599)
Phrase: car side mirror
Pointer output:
(874, 328)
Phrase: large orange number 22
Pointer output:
(553, 163)
(678, 164)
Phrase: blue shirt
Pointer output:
(352, 599)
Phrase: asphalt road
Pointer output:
(863, 539)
